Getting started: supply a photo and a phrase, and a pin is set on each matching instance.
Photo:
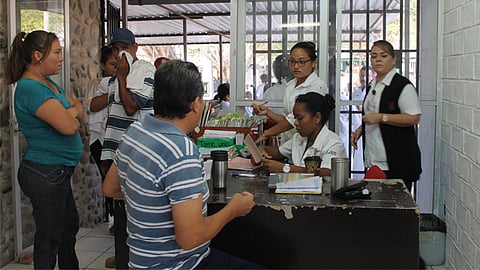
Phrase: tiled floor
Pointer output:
(94, 245)
(437, 267)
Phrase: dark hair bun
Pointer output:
(330, 101)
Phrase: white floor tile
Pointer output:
(18, 266)
(94, 245)
(99, 263)
(101, 230)
(98, 244)
(82, 232)
(439, 267)
(85, 258)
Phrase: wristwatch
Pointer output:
(384, 118)
(286, 168)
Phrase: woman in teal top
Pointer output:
(50, 120)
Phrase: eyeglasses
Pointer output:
(300, 62)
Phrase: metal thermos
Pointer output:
(340, 173)
(219, 168)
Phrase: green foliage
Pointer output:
(34, 19)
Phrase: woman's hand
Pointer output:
(273, 165)
(76, 111)
(372, 118)
(264, 152)
(73, 112)
(262, 137)
(261, 109)
(355, 137)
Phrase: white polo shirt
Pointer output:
(375, 153)
(327, 145)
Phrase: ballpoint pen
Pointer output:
(261, 103)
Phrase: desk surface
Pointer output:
(317, 231)
(385, 194)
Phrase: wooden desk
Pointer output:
(317, 231)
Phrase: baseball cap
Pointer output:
(123, 35)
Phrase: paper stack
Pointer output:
(298, 183)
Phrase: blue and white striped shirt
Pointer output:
(118, 120)
(159, 166)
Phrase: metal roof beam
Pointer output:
(172, 16)
(166, 2)
(181, 34)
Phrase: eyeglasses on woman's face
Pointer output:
(301, 62)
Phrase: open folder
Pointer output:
(253, 149)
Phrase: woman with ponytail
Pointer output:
(50, 119)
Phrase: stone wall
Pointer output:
(6, 206)
(84, 59)
(85, 42)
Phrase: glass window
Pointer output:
(271, 29)
(28, 16)
(361, 26)
(44, 15)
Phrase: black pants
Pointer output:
(120, 223)
(96, 151)
(220, 260)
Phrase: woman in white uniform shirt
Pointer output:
(391, 111)
(302, 62)
(313, 138)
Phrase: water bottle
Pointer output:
(340, 173)
(219, 168)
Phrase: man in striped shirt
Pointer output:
(159, 171)
(130, 98)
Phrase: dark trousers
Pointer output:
(96, 152)
(54, 211)
(120, 223)
(220, 260)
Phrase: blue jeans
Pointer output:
(54, 211)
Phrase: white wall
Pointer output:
(459, 168)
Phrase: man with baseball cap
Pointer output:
(130, 98)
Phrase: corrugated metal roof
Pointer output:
(162, 24)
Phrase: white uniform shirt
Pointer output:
(311, 84)
(259, 91)
(375, 153)
(98, 120)
(327, 145)
(275, 93)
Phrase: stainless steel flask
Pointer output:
(340, 173)
(219, 168)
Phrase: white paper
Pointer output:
(210, 133)
(307, 185)
(207, 165)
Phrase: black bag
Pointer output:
(354, 191)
